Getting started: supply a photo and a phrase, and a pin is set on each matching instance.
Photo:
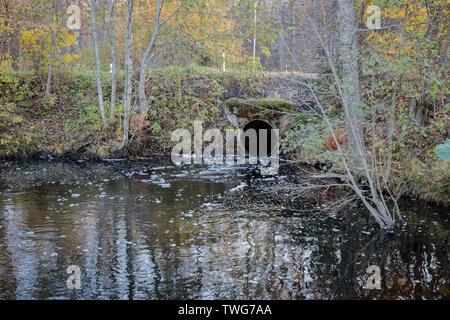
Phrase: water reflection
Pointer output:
(163, 233)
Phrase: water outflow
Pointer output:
(268, 143)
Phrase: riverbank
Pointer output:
(66, 125)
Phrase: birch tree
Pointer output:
(97, 60)
(113, 57)
(128, 73)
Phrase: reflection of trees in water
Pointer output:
(412, 266)
(28, 257)
(140, 249)
(10, 276)
(233, 258)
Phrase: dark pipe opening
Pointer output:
(257, 125)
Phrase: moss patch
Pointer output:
(267, 108)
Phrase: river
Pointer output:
(150, 230)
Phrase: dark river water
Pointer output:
(155, 231)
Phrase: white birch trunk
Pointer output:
(97, 60)
(128, 71)
(113, 58)
(254, 36)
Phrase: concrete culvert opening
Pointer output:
(258, 126)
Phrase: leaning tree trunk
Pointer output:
(144, 61)
(143, 104)
(97, 60)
